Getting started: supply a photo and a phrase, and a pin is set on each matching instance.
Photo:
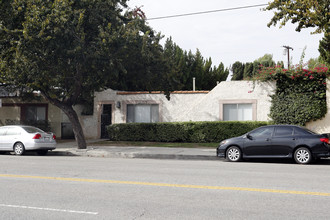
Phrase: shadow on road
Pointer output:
(285, 161)
(32, 153)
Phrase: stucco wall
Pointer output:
(170, 110)
(185, 105)
(208, 109)
(54, 118)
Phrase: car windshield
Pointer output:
(32, 130)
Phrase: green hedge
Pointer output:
(195, 132)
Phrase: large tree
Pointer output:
(67, 49)
(250, 69)
(183, 66)
(238, 70)
(306, 13)
(324, 49)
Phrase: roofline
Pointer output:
(161, 92)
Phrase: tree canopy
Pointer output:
(69, 49)
(183, 66)
(307, 13)
(250, 69)
(324, 49)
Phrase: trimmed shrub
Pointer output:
(195, 132)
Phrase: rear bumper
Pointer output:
(40, 146)
(321, 155)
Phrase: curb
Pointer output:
(107, 154)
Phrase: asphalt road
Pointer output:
(59, 187)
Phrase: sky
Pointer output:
(228, 36)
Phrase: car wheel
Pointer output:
(42, 152)
(302, 155)
(233, 154)
(19, 149)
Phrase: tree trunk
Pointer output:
(73, 117)
(76, 126)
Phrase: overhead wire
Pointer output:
(206, 12)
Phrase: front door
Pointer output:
(105, 119)
(258, 142)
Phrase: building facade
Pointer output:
(228, 101)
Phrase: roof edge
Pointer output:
(160, 92)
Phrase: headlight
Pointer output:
(223, 142)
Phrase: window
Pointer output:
(3, 131)
(32, 130)
(13, 131)
(302, 131)
(34, 113)
(237, 112)
(283, 131)
(262, 132)
(142, 113)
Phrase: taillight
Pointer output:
(325, 140)
(54, 136)
(37, 136)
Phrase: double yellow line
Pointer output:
(168, 185)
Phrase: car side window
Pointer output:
(283, 131)
(299, 131)
(262, 132)
(13, 131)
(3, 131)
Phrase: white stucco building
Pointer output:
(232, 100)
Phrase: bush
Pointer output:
(300, 94)
(195, 132)
(298, 100)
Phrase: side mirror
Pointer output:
(248, 136)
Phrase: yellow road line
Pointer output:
(169, 185)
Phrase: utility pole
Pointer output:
(288, 49)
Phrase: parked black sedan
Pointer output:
(276, 141)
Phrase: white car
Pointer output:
(21, 138)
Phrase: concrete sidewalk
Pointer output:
(69, 148)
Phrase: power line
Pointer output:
(206, 12)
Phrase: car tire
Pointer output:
(42, 152)
(303, 155)
(19, 149)
(233, 154)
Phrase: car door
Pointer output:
(283, 141)
(258, 142)
(2, 136)
(10, 137)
